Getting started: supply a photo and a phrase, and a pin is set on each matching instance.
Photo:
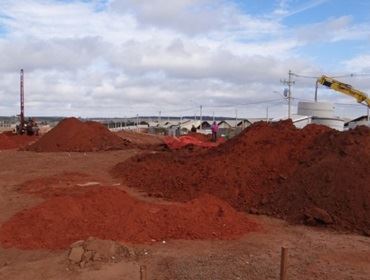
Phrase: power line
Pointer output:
(351, 75)
(303, 76)
(243, 104)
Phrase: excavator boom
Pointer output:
(360, 96)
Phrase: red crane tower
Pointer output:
(22, 100)
(25, 127)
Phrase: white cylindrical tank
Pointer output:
(321, 113)
(334, 123)
(317, 109)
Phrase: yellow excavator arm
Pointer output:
(360, 96)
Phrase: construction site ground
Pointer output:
(314, 253)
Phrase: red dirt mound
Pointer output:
(200, 136)
(108, 213)
(142, 140)
(239, 171)
(73, 135)
(332, 184)
(175, 143)
(8, 140)
(313, 175)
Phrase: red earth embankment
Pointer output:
(73, 135)
(9, 140)
(313, 175)
(109, 213)
(243, 168)
(331, 185)
(142, 140)
(193, 139)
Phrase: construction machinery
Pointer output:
(336, 85)
(29, 126)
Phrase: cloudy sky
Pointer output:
(125, 57)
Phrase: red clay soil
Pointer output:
(59, 185)
(108, 213)
(142, 140)
(73, 135)
(9, 140)
(245, 167)
(200, 136)
(332, 184)
(270, 168)
(193, 139)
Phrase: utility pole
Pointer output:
(267, 114)
(289, 83)
(159, 116)
(316, 89)
(236, 117)
(200, 116)
(213, 114)
(22, 98)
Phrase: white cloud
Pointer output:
(185, 15)
(144, 56)
(359, 63)
(62, 54)
(333, 29)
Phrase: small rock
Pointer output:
(106, 248)
(88, 256)
(78, 243)
(283, 177)
(318, 215)
(253, 210)
(75, 255)
(131, 252)
(82, 264)
(97, 257)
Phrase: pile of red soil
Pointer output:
(273, 168)
(73, 135)
(9, 140)
(240, 170)
(142, 140)
(193, 139)
(111, 214)
(200, 136)
(332, 184)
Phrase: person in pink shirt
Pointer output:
(214, 129)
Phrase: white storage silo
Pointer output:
(321, 113)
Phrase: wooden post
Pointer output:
(143, 272)
(283, 263)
